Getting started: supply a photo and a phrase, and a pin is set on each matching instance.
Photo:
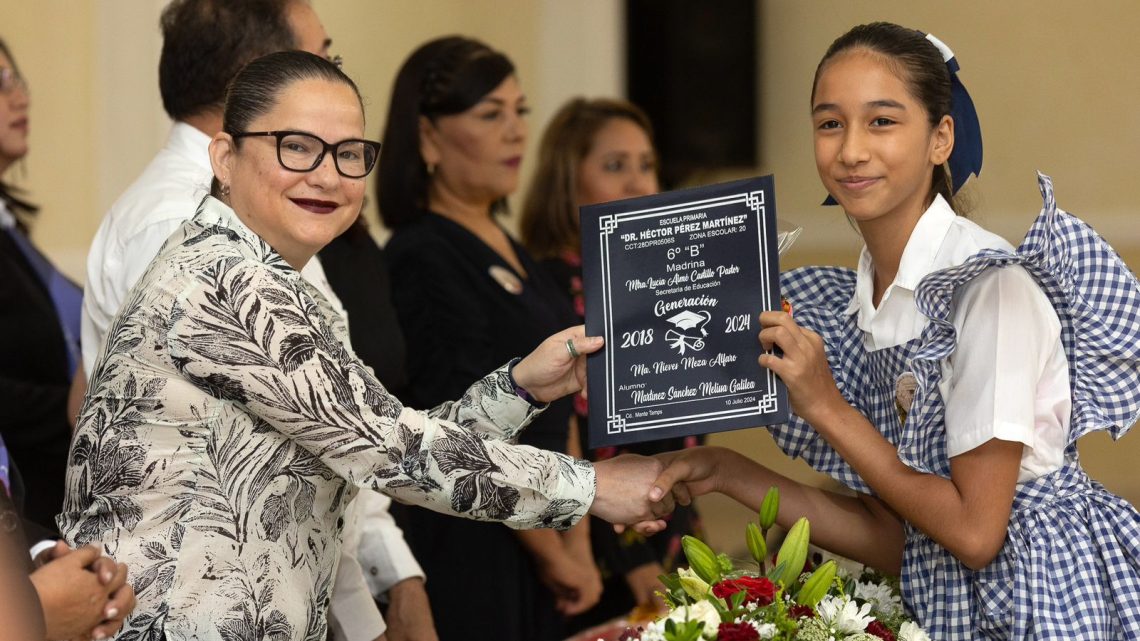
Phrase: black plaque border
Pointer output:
(771, 397)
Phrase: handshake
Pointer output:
(633, 490)
(640, 491)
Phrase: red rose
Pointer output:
(758, 590)
(737, 632)
(801, 611)
(878, 629)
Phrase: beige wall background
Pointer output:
(97, 119)
(1053, 81)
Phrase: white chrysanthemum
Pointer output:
(884, 601)
(843, 615)
(910, 631)
(654, 632)
(765, 630)
(699, 611)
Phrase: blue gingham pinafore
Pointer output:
(1070, 567)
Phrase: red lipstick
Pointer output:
(315, 206)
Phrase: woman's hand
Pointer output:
(551, 371)
(802, 366)
(691, 472)
(121, 602)
(72, 596)
(84, 594)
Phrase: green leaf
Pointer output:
(687, 631)
(775, 573)
(670, 581)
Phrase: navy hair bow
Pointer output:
(966, 158)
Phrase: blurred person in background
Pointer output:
(469, 297)
(39, 313)
(358, 274)
(595, 151)
(72, 593)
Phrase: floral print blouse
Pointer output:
(227, 425)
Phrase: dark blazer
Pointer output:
(355, 268)
(34, 384)
(464, 312)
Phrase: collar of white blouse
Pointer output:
(897, 320)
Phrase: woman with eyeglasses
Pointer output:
(227, 424)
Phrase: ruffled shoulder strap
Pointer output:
(1097, 299)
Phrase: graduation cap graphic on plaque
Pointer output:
(675, 282)
(682, 339)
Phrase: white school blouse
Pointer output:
(1009, 377)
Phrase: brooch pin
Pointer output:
(904, 395)
(505, 279)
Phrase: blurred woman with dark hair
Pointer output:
(468, 296)
(41, 306)
(595, 151)
(78, 592)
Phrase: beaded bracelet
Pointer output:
(522, 393)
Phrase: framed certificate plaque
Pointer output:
(675, 283)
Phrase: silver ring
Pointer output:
(570, 348)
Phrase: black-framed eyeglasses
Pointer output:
(10, 80)
(299, 151)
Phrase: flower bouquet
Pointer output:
(713, 599)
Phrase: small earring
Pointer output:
(225, 189)
(431, 168)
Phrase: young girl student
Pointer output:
(947, 380)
